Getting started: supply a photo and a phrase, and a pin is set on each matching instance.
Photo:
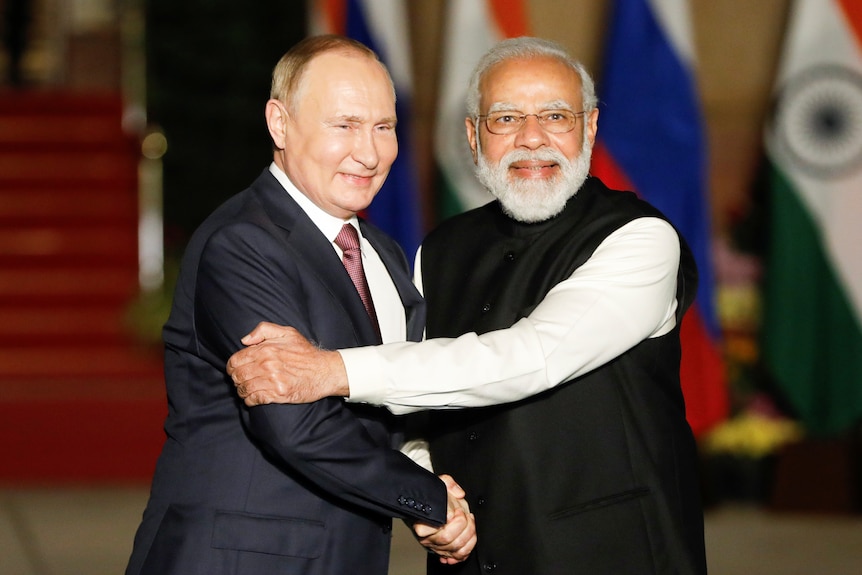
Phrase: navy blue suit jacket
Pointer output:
(274, 489)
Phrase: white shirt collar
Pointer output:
(328, 224)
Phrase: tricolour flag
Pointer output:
(812, 328)
(382, 25)
(472, 28)
(651, 140)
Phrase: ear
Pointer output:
(593, 125)
(276, 122)
(471, 138)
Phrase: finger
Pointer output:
(264, 331)
(445, 538)
(424, 531)
(258, 398)
(240, 358)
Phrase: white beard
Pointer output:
(531, 201)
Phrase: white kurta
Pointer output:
(625, 293)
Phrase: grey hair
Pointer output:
(527, 47)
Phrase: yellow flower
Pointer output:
(752, 435)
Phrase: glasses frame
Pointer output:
(522, 120)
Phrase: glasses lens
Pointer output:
(557, 121)
(504, 123)
(552, 121)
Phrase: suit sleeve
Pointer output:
(247, 275)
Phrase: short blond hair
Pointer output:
(288, 72)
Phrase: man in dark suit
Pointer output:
(312, 488)
(556, 310)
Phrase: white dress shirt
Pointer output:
(625, 293)
(387, 303)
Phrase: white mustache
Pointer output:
(535, 156)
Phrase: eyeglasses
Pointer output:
(552, 121)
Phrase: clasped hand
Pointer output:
(281, 366)
(454, 541)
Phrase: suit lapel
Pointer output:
(396, 265)
(307, 244)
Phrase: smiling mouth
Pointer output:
(358, 178)
(533, 169)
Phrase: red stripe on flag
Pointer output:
(702, 375)
(853, 13)
(510, 16)
(702, 366)
(605, 168)
(335, 13)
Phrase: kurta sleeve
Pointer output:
(625, 293)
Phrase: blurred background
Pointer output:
(123, 123)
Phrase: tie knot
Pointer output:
(347, 239)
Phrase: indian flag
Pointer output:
(382, 25)
(812, 342)
(472, 28)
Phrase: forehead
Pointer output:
(525, 82)
(342, 78)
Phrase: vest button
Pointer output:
(486, 308)
(480, 501)
(474, 435)
(509, 257)
(489, 567)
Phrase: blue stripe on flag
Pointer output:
(651, 124)
(396, 209)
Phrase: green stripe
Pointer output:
(812, 338)
(448, 201)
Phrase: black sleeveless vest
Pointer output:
(597, 476)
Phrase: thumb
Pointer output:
(452, 487)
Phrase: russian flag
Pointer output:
(651, 140)
(382, 25)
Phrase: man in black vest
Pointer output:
(555, 313)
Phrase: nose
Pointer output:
(365, 149)
(531, 135)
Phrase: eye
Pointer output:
(506, 118)
(554, 116)
(385, 128)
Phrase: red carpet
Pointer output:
(86, 441)
(80, 400)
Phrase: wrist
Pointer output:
(336, 380)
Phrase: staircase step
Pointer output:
(39, 324)
(109, 285)
(79, 363)
(85, 205)
(71, 243)
(53, 103)
(72, 168)
(38, 130)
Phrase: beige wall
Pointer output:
(737, 41)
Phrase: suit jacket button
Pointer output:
(489, 567)
(486, 308)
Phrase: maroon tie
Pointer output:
(348, 241)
